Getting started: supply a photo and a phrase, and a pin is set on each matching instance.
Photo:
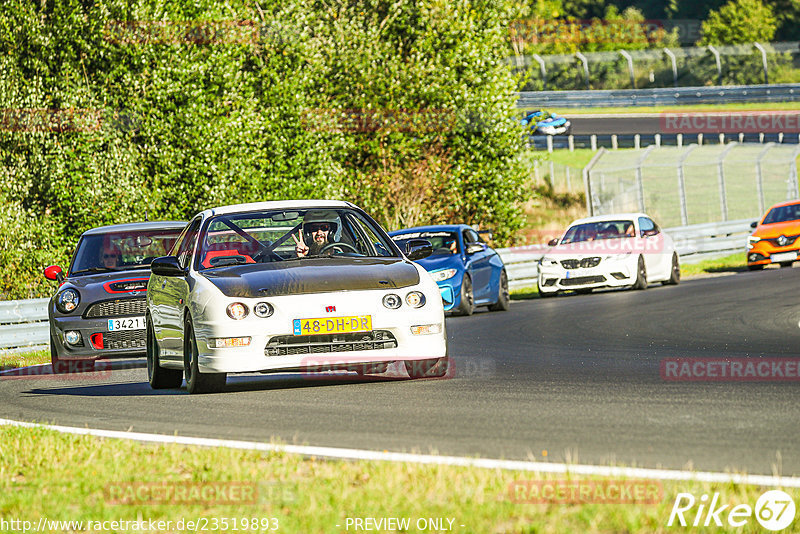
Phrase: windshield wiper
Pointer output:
(93, 270)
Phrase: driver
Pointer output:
(319, 230)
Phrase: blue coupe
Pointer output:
(469, 272)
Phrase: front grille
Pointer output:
(550, 282)
(584, 263)
(117, 308)
(580, 280)
(790, 239)
(318, 344)
(125, 339)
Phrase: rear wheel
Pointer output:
(503, 297)
(433, 368)
(641, 275)
(467, 302)
(159, 377)
(675, 273)
(197, 382)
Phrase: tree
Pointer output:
(740, 21)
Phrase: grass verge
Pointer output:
(23, 359)
(732, 263)
(80, 478)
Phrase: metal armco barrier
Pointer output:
(24, 325)
(680, 96)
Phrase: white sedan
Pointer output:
(620, 250)
(296, 286)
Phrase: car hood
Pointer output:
(441, 261)
(112, 282)
(312, 275)
(768, 231)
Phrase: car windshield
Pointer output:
(120, 251)
(783, 214)
(286, 235)
(443, 242)
(598, 230)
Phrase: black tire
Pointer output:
(641, 275)
(466, 306)
(159, 377)
(57, 365)
(675, 273)
(503, 297)
(759, 267)
(786, 264)
(583, 291)
(197, 382)
(433, 368)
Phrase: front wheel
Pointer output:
(675, 273)
(467, 303)
(503, 297)
(433, 368)
(755, 267)
(786, 264)
(159, 377)
(197, 382)
(641, 275)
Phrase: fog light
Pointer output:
(237, 311)
(392, 301)
(415, 299)
(228, 342)
(263, 309)
(423, 329)
(72, 337)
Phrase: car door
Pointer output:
(478, 264)
(174, 290)
(656, 261)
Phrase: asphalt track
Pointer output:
(622, 124)
(576, 376)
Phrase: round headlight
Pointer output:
(237, 311)
(392, 301)
(415, 299)
(263, 309)
(68, 300)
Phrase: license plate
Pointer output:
(126, 323)
(332, 325)
(783, 256)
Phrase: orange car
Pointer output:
(775, 239)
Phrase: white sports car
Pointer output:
(620, 250)
(290, 286)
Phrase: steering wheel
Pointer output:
(344, 245)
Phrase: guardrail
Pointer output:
(23, 325)
(679, 96)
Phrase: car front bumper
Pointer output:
(95, 339)
(608, 273)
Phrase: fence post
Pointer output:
(587, 183)
(679, 139)
(760, 177)
(669, 53)
(566, 175)
(552, 173)
(723, 199)
(682, 185)
(629, 59)
(540, 61)
(793, 174)
(571, 142)
(614, 144)
(593, 140)
(718, 62)
(763, 61)
(639, 178)
(637, 141)
(585, 62)
(550, 143)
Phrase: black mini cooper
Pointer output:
(99, 307)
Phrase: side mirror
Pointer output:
(553, 242)
(487, 233)
(753, 224)
(167, 266)
(54, 272)
(417, 249)
(472, 248)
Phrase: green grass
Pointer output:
(24, 358)
(733, 263)
(764, 106)
(78, 478)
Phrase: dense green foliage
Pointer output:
(740, 21)
(199, 104)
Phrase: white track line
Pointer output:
(357, 454)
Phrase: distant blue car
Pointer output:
(469, 272)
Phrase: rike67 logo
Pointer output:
(774, 510)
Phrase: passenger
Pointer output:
(110, 257)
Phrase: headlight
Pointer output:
(263, 309)
(237, 311)
(392, 301)
(415, 299)
(67, 300)
(438, 276)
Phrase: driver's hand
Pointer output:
(300, 248)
